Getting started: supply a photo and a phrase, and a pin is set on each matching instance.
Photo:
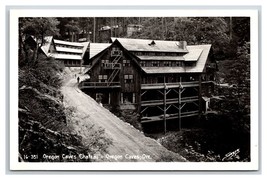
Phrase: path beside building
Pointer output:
(129, 144)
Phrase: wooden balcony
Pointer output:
(169, 116)
(169, 101)
(96, 85)
(112, 66)
(169, 85)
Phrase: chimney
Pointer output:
(183, 44)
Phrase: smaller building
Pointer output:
(71, 54)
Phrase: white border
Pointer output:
(14, 165)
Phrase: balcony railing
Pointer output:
(170, 85)
(112, 66)
(90, 85)
(169, 101)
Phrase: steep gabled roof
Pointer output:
(96, 48)
(151, 45)
(94, 60)
(47, 43)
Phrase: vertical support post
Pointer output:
(180, 104)
(108, 98)
(121, 98)
(164, 104)
(199, 96)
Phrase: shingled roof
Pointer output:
(151, 45)
(71, 47)
(96, 48)
(194, 50)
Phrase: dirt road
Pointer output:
(128, 143)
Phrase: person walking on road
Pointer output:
(78, 79)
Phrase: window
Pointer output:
(167, 64)
(143, 63)
(155, 63)
(102, 78)
(178, 64)
(104, 62)
(139, 53)
(116, 51)
(126, 62)
(128, 78)
(127, 98)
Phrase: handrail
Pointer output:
(112, 66)
(169, 84)
(98, 84)
(170, 100)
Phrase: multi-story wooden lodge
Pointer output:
(162, 80)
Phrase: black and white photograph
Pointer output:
(154, 89)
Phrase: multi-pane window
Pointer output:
(126, 62)
(155, 63)
(115, 51)
(104, 62)
(178, 63)
(143, 63)
(102, 78)
(167, 64)
(128, 78)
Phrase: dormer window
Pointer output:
(152, 43)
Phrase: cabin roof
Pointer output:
(198, 68)
(96, 48)
(150, 45)
(201, 62)
(77, 44)
(67, 56)
(65, 49)
(47, 43)
(73, 47)
(193, 54)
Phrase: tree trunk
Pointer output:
(35, 54)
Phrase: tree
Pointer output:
(194, 30)
(236, 106)
(38, 27)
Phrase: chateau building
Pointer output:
(162, 80)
